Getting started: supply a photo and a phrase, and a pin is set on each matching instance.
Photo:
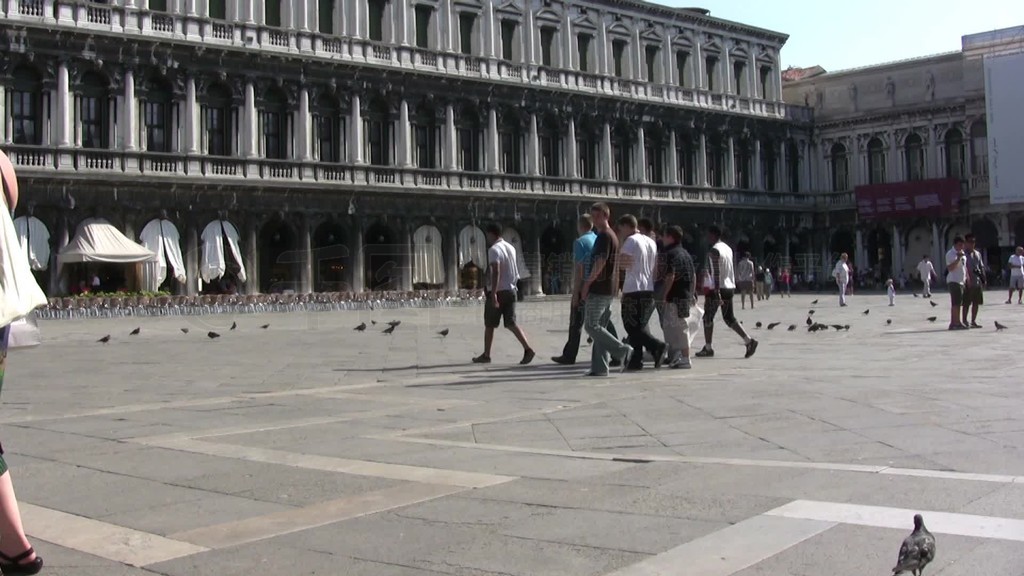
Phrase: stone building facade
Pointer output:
(912, 125)
(339, 135)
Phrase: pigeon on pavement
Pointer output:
(814, 303)
(265, 326)
(791, 327)
(443, 333)
(212, 335)
(809, 321)
(184, 330)
(866, 312)
(1000, 327)
(394, 323)
(105, 339)
(135, 332)
(758, 325)
(390, 329)
(360, 328)
(773, 325)
(233, 325)
(917, 550)
(933, 318)
(888, 322)
(932, 303)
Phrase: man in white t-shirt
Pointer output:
(956, 275)
(723, 276)
(1016, 264)
(842, 275)
(927, 272)
(638, 257)
(500, 294)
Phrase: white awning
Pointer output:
(512, 237)
(472, 247)
(427, 256)
(161, 236)
(98, 241)
(214, 263)
(35, 241)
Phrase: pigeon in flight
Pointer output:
(394, 323)
(932, 303)
(360, 328)
(1000, 327)
(933, 318)
(212, 335)
(791, 327)
(866, 312)
(233, 325)
(773, 325)
(184, 330)
(814, 303)
(265, 326)
(443, 333)
(917, 550)
(135, 332)
(758, 325)
(105, 339)
(390, 329)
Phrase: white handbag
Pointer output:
(19, 292)
(694, 322)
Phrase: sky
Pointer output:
(841, 34)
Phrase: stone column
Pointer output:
(859, 256)
(404, 135)
(537, 274)
(355, 128)
(130, 111)
(702, 161)
(730, 163)
(897, 252)
(249, 149)
(641, 156)
(252, 266)
(783, 171)
(572, 153)
(451, 156)
(354, 29)
(192, 249)
(933, 163)
(937, 252)
(6, 127)
(673, 159)
(303, 126)
(191, 119)
(452, 257)
(532, 148)
(302, 12)
(757, 178)
(753, 77)
(358, 260)
(402, 14)
(306, 260)
(488, 29)
(492, 141)
(407, 258)
(606, 151)
(802, 165)
(64, 103)
(696, 67)
(894, 157)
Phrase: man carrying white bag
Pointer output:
(682, 318)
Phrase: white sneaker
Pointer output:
(680, 364)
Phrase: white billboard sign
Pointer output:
(1004, 96)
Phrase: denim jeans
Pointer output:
(572, 345)
(637, 308)
(596, 312)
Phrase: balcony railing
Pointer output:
(166, 167)
(91, 17)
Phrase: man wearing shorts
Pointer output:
(723, 277)
(500, 294)
(1016, 276)
(974, 282)
(955, 274)
(745, 280)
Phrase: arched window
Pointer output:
(715, 161)
(654, 155)
(876, 161)
(979, 148)
(741, 162)
(470, 139)
(793, 166)
(26, 106)
(426, 137)
(218, 119)
(327, 130)
(587, 149)
(956, 154)
(377, 17)
(769, 165)
(511, 133)
(379, 129)
(550, 146)
(547, 45)
(619, 64)
(622, 155)
(686, 159)
(218, 9)
(272, 12)
(157, 116)
(158, 5)
(652, 61)
(840, 162)
(913, 150)
(325, 15)
(94, 111)
(274, 117)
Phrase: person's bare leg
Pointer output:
(488, 341)
(974, 313)
(954, 315)
(12, 534)
(521, 336)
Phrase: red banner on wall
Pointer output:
(920, 198)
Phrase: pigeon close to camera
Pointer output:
(809, 321)
(815, 302)
(360, 328)
(105, 339)
(374, 322)
(866, 312)
(443, 333)
(1000, 327)
(773, 325)
(389, 329)
(212, 335)
(135, 332)
(184, 330)
(888, 322)
(758, 325)
(917, 550)
(932, 303)
(933, 318)
(233, 325)
(791, 327)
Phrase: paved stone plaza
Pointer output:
(308, 448)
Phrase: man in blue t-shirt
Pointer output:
(581, 260)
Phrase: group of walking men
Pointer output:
(651, 270)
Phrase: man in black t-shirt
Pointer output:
(680, 290)
(598, 292)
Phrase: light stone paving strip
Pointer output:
(730, 550)
(101, 539)
(320, 514)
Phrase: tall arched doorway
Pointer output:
(880, 254)
(986, 237)
(279, 258)
(383, 258)
(843, 241)
(331, 259)
(556, 264)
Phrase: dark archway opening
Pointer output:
(843, 241)
(331, 259)
(986, 237)
(383, 258)
(279, 259)
(557, 261)
(879, 255)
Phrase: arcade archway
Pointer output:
(331, 259)
(383, 257)
(556, 265)
(279, 258)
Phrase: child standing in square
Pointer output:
(890, 289)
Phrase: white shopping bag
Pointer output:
(694, 322)
(24, 333)
(19, 292)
